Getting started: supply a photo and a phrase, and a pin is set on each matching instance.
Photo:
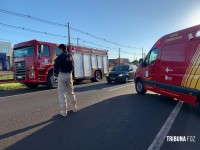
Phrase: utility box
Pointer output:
(5, 48)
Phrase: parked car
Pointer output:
(121, 73)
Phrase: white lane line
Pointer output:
(25, 94)
(120, 87)
(158, 141)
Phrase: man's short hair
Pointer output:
(62, 46)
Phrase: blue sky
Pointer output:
(137, 23)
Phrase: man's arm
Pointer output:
(70, 57)
(56, 66)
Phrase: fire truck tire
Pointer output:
(97, 77)
(139, 86)
(51, 81)
(31, 86)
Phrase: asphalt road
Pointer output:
(110, 117)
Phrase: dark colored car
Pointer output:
(121, 73)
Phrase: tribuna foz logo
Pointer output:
(180, 138)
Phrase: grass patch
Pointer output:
(11, 86)
(3, 77)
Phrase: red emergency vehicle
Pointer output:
(172, 67)
(33, 63)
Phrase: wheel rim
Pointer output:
(139, 86)
(98, 75)
(52, 80)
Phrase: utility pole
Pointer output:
(77, 42)
(68, 33)
(142, 53)
(119, 56)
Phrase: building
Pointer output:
(112, 62)
(5, 56)
(122, 61)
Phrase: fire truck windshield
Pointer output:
(23, 52)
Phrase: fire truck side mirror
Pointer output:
(40, 49)
(141, 62)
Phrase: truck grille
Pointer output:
(20, 70)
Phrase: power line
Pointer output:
(97, 44)
(102, 39)
(107, 47)
(62, 36)
(30, 30)
(64, 25)
(33, 18)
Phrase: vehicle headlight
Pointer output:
(121, 75)
(31, 68)
(107, 75)
(198, 34)
(31, 72)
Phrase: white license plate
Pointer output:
(112, 78)
(19, 77)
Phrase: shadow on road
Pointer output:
(98, 86)
(95, 86)
(12, 133)
(22, 91)
(124, 122)
(27, 90)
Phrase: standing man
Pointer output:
(63, 68)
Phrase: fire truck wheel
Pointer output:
(97, 77)
(140, 87)
(51, 81)
(31, 86)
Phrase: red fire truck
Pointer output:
(172, 67)
(33, 63)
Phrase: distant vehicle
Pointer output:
(171, 67)
(121, 73)
(33, 63)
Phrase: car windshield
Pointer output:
(24, 51)
(120, 68)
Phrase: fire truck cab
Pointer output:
(34, 60)
(172, 67)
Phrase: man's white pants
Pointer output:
(65, 86)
